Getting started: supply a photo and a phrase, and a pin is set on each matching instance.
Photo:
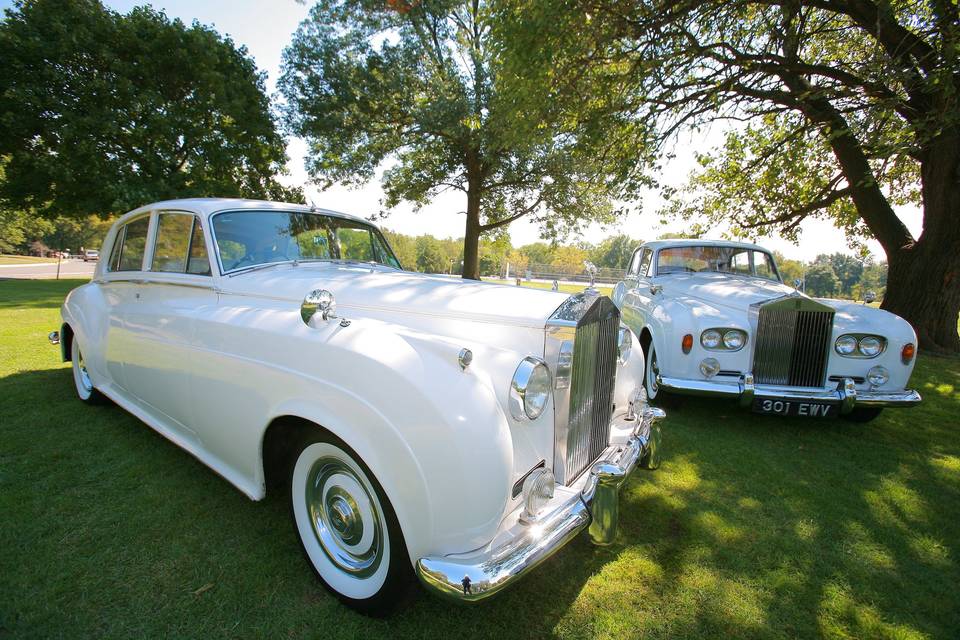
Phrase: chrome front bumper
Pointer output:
(845, 395)
(480, 574)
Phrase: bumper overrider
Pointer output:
(595, 507)
(845, 394)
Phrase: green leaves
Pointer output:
(104, 112)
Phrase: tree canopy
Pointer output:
(414, 89)
(839, 109)
(102, 112)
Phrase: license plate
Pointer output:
(794, 408)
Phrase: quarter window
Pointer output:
(130, 245)
(645, 262)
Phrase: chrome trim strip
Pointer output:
(482, 574)
(843, 393)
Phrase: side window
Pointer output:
(635, 263)
(198, 263)
(645, 263)
(173, 242)
(134, 245)
(114, 263)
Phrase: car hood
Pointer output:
(722, 290)
(381, 289)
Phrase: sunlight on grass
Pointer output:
(842, 616)
(866, 551)
(930, 550)
(716, 527)
(806, 530)
(894, 503)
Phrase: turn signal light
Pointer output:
(687, 343)
(906, 354)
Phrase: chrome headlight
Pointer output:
(529, 389)
(734, 339)
(870, 346)
(710, 338)
(860, 345)
(846, 345)
(624, 344)
(878, 376)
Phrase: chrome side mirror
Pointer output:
(318, 300)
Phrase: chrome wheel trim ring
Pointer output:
(345, 521)
(84, 375)
(653, 387)
(81, 377)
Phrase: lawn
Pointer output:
(753, 527)
(565, 288)
(8, 259)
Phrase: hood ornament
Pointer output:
(592, 271)
(318, 301)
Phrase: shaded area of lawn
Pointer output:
(753, 527)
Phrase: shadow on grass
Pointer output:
(753, 527)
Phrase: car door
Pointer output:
(638, 297)
(120, 285)
(176, 288)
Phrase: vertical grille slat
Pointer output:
(592, 381)
(793, 341)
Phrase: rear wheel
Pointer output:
(81, 376)
(347, 527)
(863, 414)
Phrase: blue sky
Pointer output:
(265, 27)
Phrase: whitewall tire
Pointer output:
(81, 376)
(347, 528)
(650, 373)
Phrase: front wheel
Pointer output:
(81, 377)
(655, 394)
(347, 527)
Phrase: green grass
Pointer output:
(8, 259)
(565, 288)
(753, 527)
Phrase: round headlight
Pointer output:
(710, 338)
(734, 339)
(870, 346)
(529, 389)
(878, 376)
(709, 367)
(846, 345)
(624, 344)
(537, 492)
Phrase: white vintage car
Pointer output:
(714, 318)
(459, 431)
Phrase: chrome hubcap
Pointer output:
(344, 517)
(82, 370)
(654, 371)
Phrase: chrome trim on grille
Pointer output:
(793, 341)
(582, 410)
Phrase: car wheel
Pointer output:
(81, 377)
(650, 374)
(863, 414)
(347, 527)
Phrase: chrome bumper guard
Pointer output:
(845, 395)
(479, 575)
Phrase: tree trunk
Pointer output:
(923, 279)
(923, 288)
(471, 237)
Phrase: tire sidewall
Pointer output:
(648, 375)
(84, 393)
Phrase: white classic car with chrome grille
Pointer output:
(714, 318)
(424, 425)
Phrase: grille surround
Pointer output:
(583, 409)
(793, 340)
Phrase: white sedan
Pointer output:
(714, 318)
(458, 431)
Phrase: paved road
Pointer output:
(45, 270)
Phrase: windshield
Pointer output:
(250, 238)
(697, 259)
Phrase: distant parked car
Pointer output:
(714, 318)
(460, 431)
(91, 255)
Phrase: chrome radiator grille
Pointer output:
(592, 380)
(793, 342)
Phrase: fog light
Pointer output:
(709, 367)
(878, 376)
(537, 492)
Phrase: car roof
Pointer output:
(702, 242)
(209, 206)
